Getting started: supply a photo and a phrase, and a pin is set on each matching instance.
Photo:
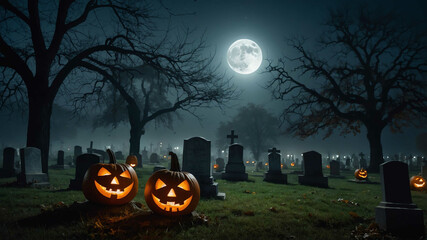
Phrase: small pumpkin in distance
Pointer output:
(132, 160)
(417, 183)
(361, 174)
(110, 183)
(172, 192)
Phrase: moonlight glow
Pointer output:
(244, 56)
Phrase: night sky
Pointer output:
(266, 22)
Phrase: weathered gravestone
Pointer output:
(274, 174)
(8, 169)
(362, 162)
(77, 152)
(144, 157)
(83, 162)
(31, 168)
(197, 161)
(312, 168)
(60, 161)
(220, 164)
(396, 213)
(424, 169)
(335, 169)
(154, 158)
(235, 169)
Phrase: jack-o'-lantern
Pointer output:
(216, 166)
(418, 183)
(361, 174)
(292, 164)
(172, 192)
(328, 166)
(110, 183)
(132, 160)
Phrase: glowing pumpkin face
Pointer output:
(132, 160)
(292, 164)
(215, 166)
(418, 183)
(172, 192)
(361, 174)
(110, 184)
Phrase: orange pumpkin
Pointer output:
(132, 160)
(110, 183)
(172, 192)
(361, 174)
(418, 183)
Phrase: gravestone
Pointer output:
(312, 169)
(396, 213)
(362, 161)
(83, 162)
(119, 155)
(235, 169)
(77, 152)
(60, 161)
(274, 173)
(355, 161)
(31, 168)
(221, 164)
(102, 153)
(158, 167)
(197, 161)
(347, 163)
(8, 169)
(154, 158)
(335, 169)
(144, 157)
(424, 169)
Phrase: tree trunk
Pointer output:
(376, 148)
(135, 132)
(38, 132)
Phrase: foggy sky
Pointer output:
(266, 22)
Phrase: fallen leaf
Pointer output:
(249, 213)
(273, 209)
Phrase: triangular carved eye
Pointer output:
(103, 172)
(159, 184)
(125, 174)
(184, 185)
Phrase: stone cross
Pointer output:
(273, 150)
(232, 137)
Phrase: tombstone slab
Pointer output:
(335, 169)
(197, 161)
(83, 162)
(31, 168)
(274, 173)
(60, 161)
(144, 157)
(312, 168)
(77, 152)
(397, 213)
(235, 168)
(8, 169)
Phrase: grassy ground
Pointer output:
(252, 210)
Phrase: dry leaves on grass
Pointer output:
(52, 207)
(370, 232)
(345, 201)
(249, 192)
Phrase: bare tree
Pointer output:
(256, 127)
(369, 68)
(180, 79)
(41, 45)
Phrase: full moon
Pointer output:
(244, 56)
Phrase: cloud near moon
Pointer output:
(244, 56)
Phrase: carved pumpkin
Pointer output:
(361, 174)
(110, 183)
(215, 166)
(132, 160)
(418, 183)
(292, 164)
(172, 192)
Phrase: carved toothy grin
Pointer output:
(108, 192)
(172, 206)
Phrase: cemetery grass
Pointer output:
(252, 210)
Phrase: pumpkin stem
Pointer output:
(111, 156)
(174, 162)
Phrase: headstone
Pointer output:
(362, 162)
(31, 168)
(355, 161)
(335, 169)
(144, 157)
(102, 153)
(197, 161)
(424, 169)
(235, 168)
(221, 164)
(274, 173)
(312, 168)
(154, 158)
(83, 162)
(347, 162)
(119, 155)
(8, 169)
(60, 161)
(397, 213)
(77, 152)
